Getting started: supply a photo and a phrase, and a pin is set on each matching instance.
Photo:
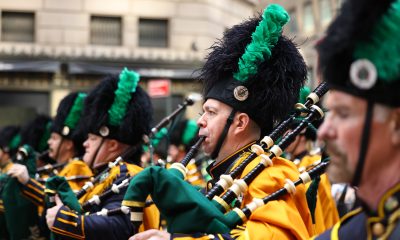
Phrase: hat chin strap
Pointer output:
(96, 153)
(58, 149)
(365, 137)
(222, 137)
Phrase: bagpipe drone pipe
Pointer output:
(189, 101)
(48, 168)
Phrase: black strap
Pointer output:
(364, 144)
(222, 137)
(58, 150)
(96, 153)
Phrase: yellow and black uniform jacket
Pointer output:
(69, 225)
(365, 224)
(288, 218)
(76, 172)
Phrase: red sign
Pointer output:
(159, 88)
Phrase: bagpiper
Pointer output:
(360, 59)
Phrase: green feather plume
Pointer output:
(43, 140)
(264, 38)
(76, 111)
(15, 141)
(156, 139)
(159, 136)
(128, 81)
(304, 92)
(189, 132)
(384, 42)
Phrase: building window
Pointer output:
(325, 12)
(17, 27)
(153, 33)
(293, 27)
(106, 30)
(308, 19)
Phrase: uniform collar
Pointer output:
(389, 203)
(381, 224)
(217, 169)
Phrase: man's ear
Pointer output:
(395, 127)
(112, 145)
(242, 121)
(68, 144)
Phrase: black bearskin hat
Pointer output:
(68, 120)
(270, 92)
(184, 133)
(118, 108)
(10, 139)
(36, 133)
(360, 53)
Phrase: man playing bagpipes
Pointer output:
(35, 134)
(252, 79)
(306, 155)
(65, 146)
(360, 60)
(118, 113)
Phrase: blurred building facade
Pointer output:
(51, 47)
(308, 22)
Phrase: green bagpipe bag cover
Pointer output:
(185, 209)
(20, 214)
(60, 186)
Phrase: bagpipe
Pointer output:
(90, 184)
(121, 185)
(50, 168)
(59, 185)
(178, 201)
(187, 102)
(268, 141)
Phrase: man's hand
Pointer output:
(52, 212)
(20, 172)
(152, 234)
